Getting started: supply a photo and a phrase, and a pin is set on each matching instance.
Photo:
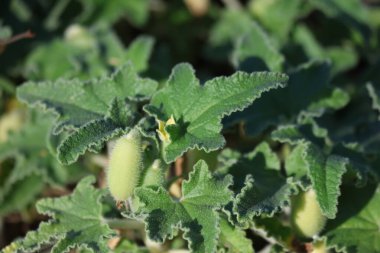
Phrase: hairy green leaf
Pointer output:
(259, 186)
(76, 103)
(94, 134)
(195, 212)
(197, 110)
(326, 176)
(76, 222)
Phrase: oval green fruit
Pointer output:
(125, 166)
(306, 216)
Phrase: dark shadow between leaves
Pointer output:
(351, 202)
(253, 64)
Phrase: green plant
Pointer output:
(242, 127)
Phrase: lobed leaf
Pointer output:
(197, 110)
(76, 222)
(195, 212)
(77, 103)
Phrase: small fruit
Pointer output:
(79, 36)
(154, 175)
(198, 7)
(125, 166)
(306, 217)
(9, 122)
(319, 247)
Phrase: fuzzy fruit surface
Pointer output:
(125, 165)
(306, 217)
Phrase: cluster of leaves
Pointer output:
(286, 101)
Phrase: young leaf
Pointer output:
(195, 213)
(76, 103)
(76, 222)
(197, 110)
(326, 174)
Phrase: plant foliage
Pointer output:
(242, 109)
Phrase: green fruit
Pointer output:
(319, 247)
(10, 122)
(154, 175)
(306, 217)
(79, 37)
(125, 166)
